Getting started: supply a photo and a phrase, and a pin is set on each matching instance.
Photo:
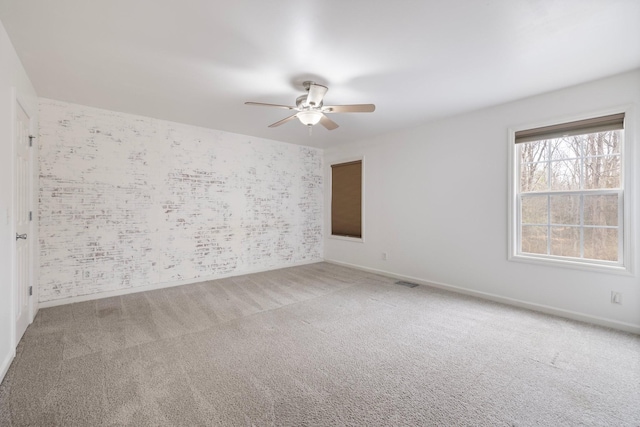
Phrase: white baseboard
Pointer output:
(155, 286)
(6, 363)
(601, 321)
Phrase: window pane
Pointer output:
(601, 243)
(565, 209)
(531, 152)
(565, 241)
(602, 172)
(565, 148)
(601, 210)
(534, 239)
(602, 143)
(533, 177)
(534, 209)
(565, 175)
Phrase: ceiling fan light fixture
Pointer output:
(309, 117)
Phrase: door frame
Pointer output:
(19, 101)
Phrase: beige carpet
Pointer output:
(316, 345)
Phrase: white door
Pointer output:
(22, 208)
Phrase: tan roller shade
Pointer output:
(580, 127)
(346, 199)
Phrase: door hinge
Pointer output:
(30, 290)
(30, 216)
(31, 140)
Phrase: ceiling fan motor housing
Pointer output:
(301, 102)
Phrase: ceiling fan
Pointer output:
(311, 110)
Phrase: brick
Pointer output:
(129, 201)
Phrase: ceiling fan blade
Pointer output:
(283, 121)
(328, 123)
(316, 94)
(356, 108)
(262, 104)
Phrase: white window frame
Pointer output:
(362, 190)
(626, 266)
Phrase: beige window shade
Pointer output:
(580, 127)
(346, 199)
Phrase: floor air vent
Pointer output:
(407, 284)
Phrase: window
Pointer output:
(346, 199)
(569, 192)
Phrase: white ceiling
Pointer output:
(197, 61)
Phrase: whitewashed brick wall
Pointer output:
(129, 201)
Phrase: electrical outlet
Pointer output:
(616, 297)
(384, 256)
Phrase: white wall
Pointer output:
(130, 202)
(436, 202)
(13, 82)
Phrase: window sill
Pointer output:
(576, 265)
(348, 239)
